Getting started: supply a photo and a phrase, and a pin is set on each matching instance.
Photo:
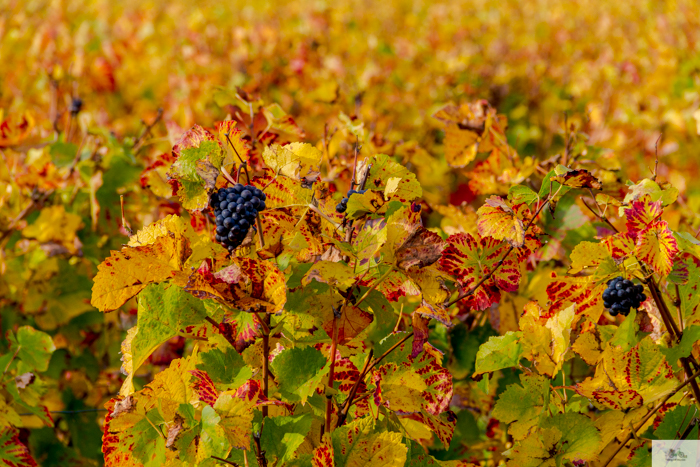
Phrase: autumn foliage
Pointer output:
(511, 162)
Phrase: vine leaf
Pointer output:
(33, 347)
(295, 160)
(469, 261)
(12, 451)
(499, 220)
(564, 291)
(395, 181)
(630, 379)
(357, 445)
(247, 284)
(577, 178)
(657, 247)
(127, 272)
(299, 371)
(499, 352)
(563, 437)
(164, 311)
(643, 214)
(521, 405)
(196, 168)
(282, 436)
(323, 455)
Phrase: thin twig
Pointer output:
(139, 142)
(225, 461)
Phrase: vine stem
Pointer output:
(500, 261)
(374, 286)
(632, 434)
(266, 359)
(331, 373)
(14, 355)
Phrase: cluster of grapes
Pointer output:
(343, 205)
(235, 209)
(621, 295)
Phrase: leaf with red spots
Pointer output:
(497, 219)
(247, 284)
(204, 387)
(578, 178)
(468, 262)
(630, 379)
(417, 385)
(620, 245)
(395, 181)
(358, 445)
(657, 247)
(127, 272)
(12, 452)
(323, 455)
(581, 291)
(642, 214)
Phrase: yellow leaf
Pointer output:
(55, 225)
(498, 220)
(294, 160)
(586, 255)
(629, 379)
(125, 273)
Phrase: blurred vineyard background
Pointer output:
(620, 76)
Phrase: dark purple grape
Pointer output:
(226, 213)
(255, 202)
(231, 236)
(237, 188)
(248, 205)
(76, 104)
(228, 222)
(220, 229)
(261, 206)
(219, 219)
(235, 216)
(223, 204)
(231, 197)
(246, 195)
(218, 238)
(244, 224)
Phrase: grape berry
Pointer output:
(236, 209)
(621, 295)
(343, 205)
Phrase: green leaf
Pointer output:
(691, 335)
(676, 421)
(521, 406)
(213, 437)
(299, 371)
(522, 194)
(227, 367)
(563, 438)
(283, 435)
(149, 445)
(626, 334)
(499, 352)
(164, 311)
(33, 347)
